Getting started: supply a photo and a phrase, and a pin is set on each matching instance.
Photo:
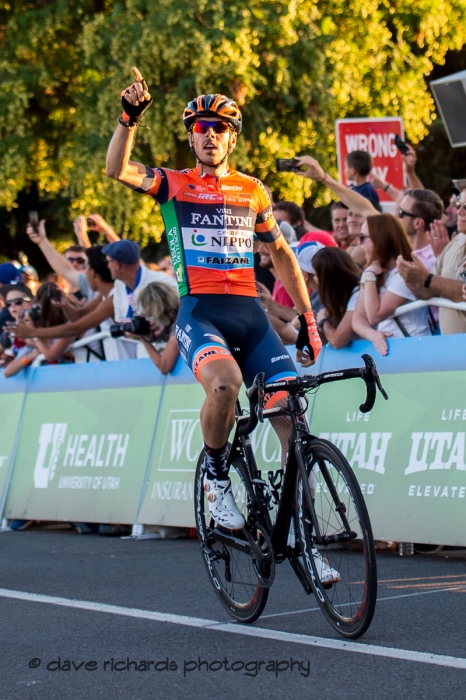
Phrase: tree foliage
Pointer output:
(293, 66)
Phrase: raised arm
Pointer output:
(98, 223)
(57, 262)
(135, 100)
(353, 200)
(67, 330)
(410, 160)
(80, 230)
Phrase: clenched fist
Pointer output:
(135, 100)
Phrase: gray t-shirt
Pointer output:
(85, 288)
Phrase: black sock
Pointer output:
(216, 463)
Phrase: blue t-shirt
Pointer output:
(368, 191)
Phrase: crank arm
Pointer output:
(231, 540)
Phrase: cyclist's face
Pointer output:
(211, 147)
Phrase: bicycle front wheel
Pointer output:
(231, 570)
(341, 567)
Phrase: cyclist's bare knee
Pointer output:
(222, 380)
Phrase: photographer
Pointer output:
(18, 298)
(45, 314)
(159, 304)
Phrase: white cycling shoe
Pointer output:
(222, 505)
(324, 571)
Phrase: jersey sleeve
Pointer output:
(156, 184)
(266, 227)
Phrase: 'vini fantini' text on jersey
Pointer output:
(210, 224)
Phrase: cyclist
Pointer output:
(211, 214)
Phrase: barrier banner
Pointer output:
(84, 446)
(408, 454)
(169, 496)
(11, 401)
(90, 434)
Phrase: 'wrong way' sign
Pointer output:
(377, 136)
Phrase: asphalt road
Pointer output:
(421, 608)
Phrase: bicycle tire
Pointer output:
(244, 597)
(348, 604)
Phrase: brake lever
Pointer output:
(372, 368)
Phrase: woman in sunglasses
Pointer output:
(18, 298)
(383, 289)
(45, 313)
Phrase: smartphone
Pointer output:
(401, 146)
(463, 276)
(34, 220)
(90, 222)
(287, 165)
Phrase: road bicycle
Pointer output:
(312, 513)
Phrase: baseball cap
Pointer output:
(30, 272)
(287, 230)
(16, 287)
(306, 252)
(8, 273)
(125, 251)
(321, 237)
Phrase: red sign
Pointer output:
(377, 137)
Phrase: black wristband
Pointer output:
(320, 325)
(428, 280)
(126, 124)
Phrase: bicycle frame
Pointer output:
(300, 437)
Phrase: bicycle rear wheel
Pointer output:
(349, 602)
(231, 571)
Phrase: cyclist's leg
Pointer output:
(271, 357)
(205, 350)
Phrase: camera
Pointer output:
(35, 313)
(138, 325)
(286, 165)
(34, 220)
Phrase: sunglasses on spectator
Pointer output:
(80, 261)
(362, 237)
(16, 302)
(402, 213)
(459, 205)
(202, 127)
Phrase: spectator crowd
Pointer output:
(358, 276)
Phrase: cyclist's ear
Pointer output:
(190, 141)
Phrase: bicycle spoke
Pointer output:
(344, 575)
(243, 596)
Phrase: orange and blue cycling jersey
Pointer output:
(210, 224)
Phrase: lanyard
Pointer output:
(130, 295)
